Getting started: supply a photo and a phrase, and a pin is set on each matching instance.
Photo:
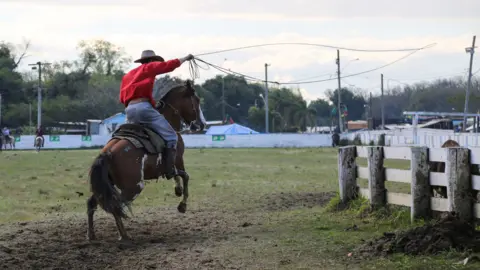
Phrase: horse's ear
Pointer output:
(189, 85)
(190, 89)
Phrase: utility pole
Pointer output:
(382, 105)
(38, 66)
(340, 124)
(471, 51)
(223, 94)
(266, 97)
(223, 98)
(370, 120)
(0, 109)
(30, 115)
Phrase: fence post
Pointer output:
(376, 177)
(457, 170)
(420, 186)
(347, 173)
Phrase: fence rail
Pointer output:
(461, 185)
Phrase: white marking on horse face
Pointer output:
(202, 118)
(143, 166)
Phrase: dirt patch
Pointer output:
(163, 239)
(447, 233)
(284, 201)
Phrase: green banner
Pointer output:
(54, 138)
(218, 138)
(86, 138)
(17, 139)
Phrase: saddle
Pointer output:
(141, 137)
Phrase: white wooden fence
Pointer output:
(462, 186)
(425, 137)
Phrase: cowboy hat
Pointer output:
(149, 54)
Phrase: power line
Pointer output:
(314, 77)
(478, 70)
(359, 73)
(251, 78)
(423, 79)
(316, 45)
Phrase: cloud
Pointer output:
(176, 28)
(310, 96)
(278, 9)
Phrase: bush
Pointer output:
(357, 140)
(344, 142)
(381, 140)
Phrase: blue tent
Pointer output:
(233, 129)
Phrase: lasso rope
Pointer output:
(195, 74)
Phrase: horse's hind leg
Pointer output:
(91, 207)
(123, 236)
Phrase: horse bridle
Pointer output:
(176, 112)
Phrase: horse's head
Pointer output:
(450, 143)
(185, 103)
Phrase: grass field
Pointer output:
(248, 209)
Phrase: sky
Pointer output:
(174, 29)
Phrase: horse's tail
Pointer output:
(107, 196)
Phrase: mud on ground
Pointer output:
(447, 233)
(163, 239)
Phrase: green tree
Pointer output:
(102, 57)
(323, 111)
(354, 102)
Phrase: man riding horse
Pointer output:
(136, 94)
(144, 148)
(6, 134)
(39, 133)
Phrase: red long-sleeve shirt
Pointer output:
(138, 83)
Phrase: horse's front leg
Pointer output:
(182, 207)
(178, 187)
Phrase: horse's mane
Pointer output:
(182, 87)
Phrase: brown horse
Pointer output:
(134, 154)
(441, 191)
(9, 140)
(38, 143)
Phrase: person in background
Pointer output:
(39, 133)
(6, 134)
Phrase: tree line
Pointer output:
(88, 87)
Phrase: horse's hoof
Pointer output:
(125, 239)
(178, 191)
(91, 237)
(182, 207)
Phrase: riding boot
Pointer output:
(170, 170)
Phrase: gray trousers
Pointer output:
(144, 113)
